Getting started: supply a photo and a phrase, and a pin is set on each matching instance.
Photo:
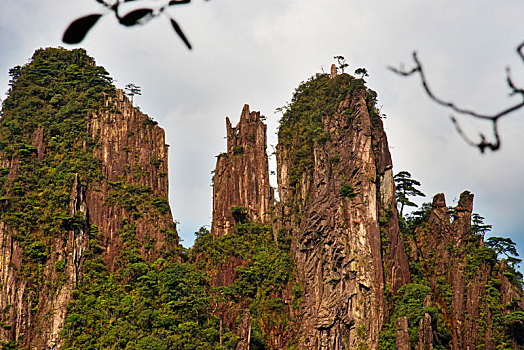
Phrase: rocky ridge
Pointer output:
(330, 265)
(120, 157)
(338, 209)
(346, 206)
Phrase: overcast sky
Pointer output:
(257, 52)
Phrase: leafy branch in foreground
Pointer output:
(137, 15)
(483, 144)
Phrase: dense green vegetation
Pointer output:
(49, 100)
(167, 305)
(409, 303)
(313, 101)
(179, 301)
(139, 305)
(159, 306)
(264, 270)
(475, 256)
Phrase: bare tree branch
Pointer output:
(483, 144)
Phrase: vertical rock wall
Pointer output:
(132, 151)
(33, 313)
(241, 175)
(336, 238)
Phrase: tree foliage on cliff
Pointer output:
(143, 306)
(472, 257)
(301, 125)
(45, 113)
(264, 273)
(406, 189)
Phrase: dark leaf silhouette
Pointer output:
(133, 17)
(178, 2)
(78, 29)
(178, 30)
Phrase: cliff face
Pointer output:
(341, 215)
(241, 193)
(133, 155)
(89, 254)
(76, 168)
(467, 281)
(241, 176)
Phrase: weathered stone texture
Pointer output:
(402, 339)
(241, 175)
(127, 141)
(132, 150)
(333, 73)
(441, 247)
(435, 243)
(17, 298)
(425, 334)
(336, 240)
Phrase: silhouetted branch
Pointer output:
(78, 29)
(483, 144)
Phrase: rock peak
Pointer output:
(241, 176)
(333, 71)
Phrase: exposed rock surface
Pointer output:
(402, 340)
(336, 238)
(461, 274)
(333, 73)
(241, 176)
(443, 241)
(241, 179)
(36, 315)
(425, 334)
(131, 150)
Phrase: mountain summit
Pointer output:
(90, 257)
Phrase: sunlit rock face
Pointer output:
(41, 266)
(342, 216)
(241, 175)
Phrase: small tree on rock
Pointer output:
(132, 90)
(342, 64)
(363, 72)
(502, 245)
(478, 226)
(405, 189)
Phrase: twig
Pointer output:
(483, 144)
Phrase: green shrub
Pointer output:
(238, 150)
(346, 190)
(161, 204)
(240, 214)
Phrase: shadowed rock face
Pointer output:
(241, 175)
(336, 237)
(130, 150)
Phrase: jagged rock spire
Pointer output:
(333, 71)
(241, 176)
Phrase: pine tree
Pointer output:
(405, 189)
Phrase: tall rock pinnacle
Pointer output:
(241, 176)
(337, 200)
